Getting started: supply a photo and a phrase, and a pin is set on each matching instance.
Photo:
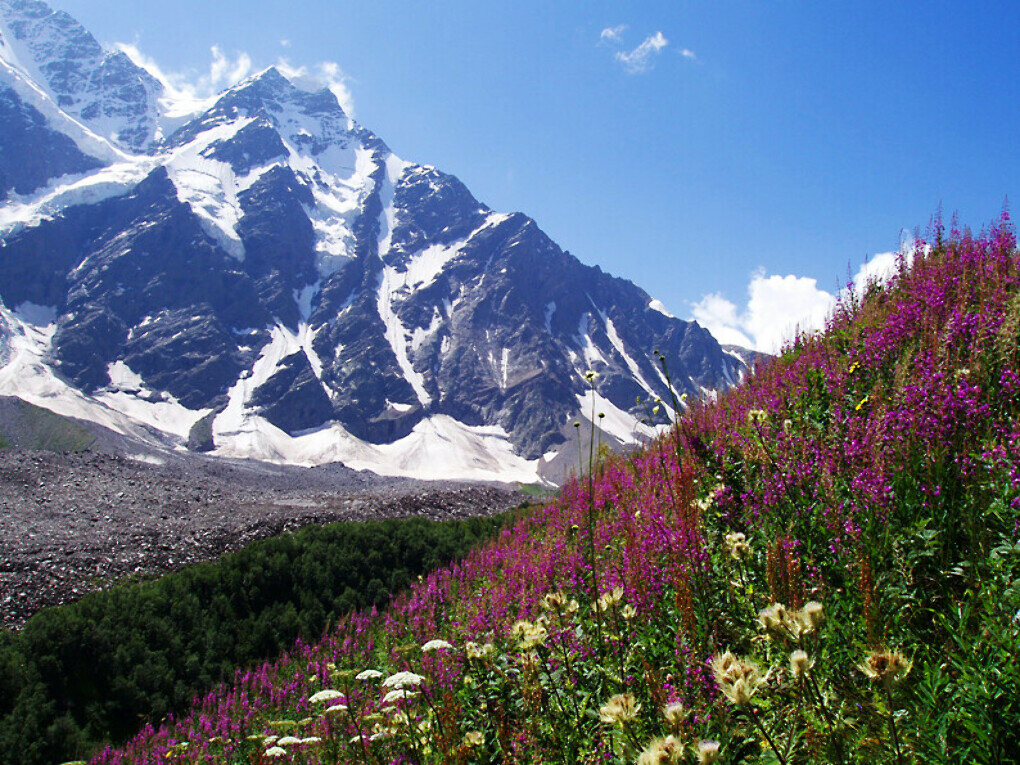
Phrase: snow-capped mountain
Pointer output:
(267, 279)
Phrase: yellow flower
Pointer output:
(861, 403)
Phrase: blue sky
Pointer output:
(752, 141)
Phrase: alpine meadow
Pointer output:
(819, 566)
(666, 419)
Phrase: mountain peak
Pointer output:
(285, 285)
(102, 89)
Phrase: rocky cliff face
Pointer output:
(273, 275)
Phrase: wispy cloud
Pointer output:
(688, 54)
(613, 34)
(640, 59)
(191, 87)
(325, 74)
(780, 306)
(284, 43)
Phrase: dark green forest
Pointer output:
(92, 672)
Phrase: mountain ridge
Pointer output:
(270, 264)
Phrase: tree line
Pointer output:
(89, 673)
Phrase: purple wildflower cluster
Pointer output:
(910, 392)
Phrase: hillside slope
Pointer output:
(845, 523)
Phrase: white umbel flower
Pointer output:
(325, 695)
(435, 645)
(403, 680)
(398, 695)
(368, 674)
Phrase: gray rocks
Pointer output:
(74, 523)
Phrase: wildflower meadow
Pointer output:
(821, 565)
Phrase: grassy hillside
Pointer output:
(81, 675)
(26, 426)
(821, 566)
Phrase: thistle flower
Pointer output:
(885, 666)
(778, 621)
(813, 613)
(708, 751)
(324, 695)
(403, 680)
(662, 751)
(756, 416)
(475, 651)
(368, 674)
(674, 714)
(737, 545)
(529, 634)
(800, 663)
(609, 599)
(554, 601)
(621, 708)
(436, 645)
(738, 679)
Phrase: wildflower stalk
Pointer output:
(754, 718)
(892, 724)
(591, 518)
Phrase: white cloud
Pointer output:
(640, 59)
(187, 90)
(780, 306)
(688, 54)
(325, 74)
(613, 34)
(284, 43)
(719, 316)
(223, 72)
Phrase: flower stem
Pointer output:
(892, 724)
(765, 733)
